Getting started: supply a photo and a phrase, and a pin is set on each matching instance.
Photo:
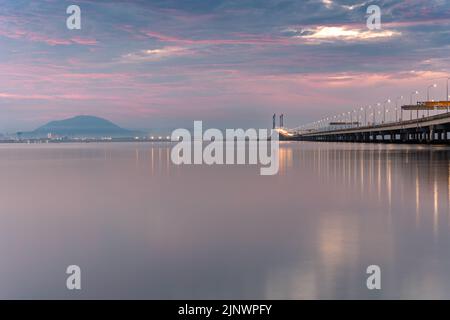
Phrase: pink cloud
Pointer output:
(52, 41)
(84, 41)
(241, 38)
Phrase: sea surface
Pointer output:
(141, 227)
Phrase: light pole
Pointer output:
(384, 109)
(396, 107)
(373, 121)
(448, 78)
(428, 96)
(410, 102)
(365, 115)
(376, 109)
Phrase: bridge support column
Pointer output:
(431, 134)
(404, 136)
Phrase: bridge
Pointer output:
(425, 129)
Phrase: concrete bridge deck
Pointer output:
(432, 129)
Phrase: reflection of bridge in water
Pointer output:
(404, 178)
(425, 129)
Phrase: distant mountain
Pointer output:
(81, 126)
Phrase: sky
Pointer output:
(230, 63)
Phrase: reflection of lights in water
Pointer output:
(355, 154)
(314, 160)
(370, 171)
(338, 249)
(417, 197)
(338, 239)
(335, 166)
(152, 161)
(331, 240)
(436, 208)
(319, 160)
(328, 164)
(137, 156)
(168, 160)
(285, 158)
(361, 166)
(159, 158)
(379, 175)
(349, 169)
(389, 182)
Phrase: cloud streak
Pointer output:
(342, 33)
(156, 54)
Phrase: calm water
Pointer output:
(140, 227)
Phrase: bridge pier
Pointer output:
(404, 137)
(430, 134)
(420, 136)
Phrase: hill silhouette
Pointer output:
(81, 126)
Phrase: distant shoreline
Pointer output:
(93, 140)
(90, 140)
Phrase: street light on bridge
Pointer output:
(448, 97)
(434, 85)
(410, 102)
(365, 118)
(396, 108)
(384, 109)
(375, 111)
